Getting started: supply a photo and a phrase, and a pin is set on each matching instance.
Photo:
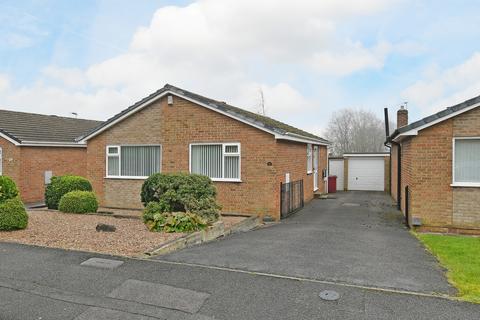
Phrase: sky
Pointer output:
(309, 58)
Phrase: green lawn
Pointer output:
(461, 256)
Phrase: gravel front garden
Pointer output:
(78, 232)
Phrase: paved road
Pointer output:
(40, 283)
(357, 238)
(354, 245)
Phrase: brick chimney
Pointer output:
(402, 117)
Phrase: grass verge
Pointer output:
(461, 256)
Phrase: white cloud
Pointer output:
(216, 47)
(440, 89)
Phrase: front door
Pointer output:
(315, 168)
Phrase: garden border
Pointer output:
(211, 233)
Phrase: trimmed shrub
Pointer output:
(62, 185)
(78, 202)
(182, 192)
(13, 215)
(176, 222)
(8, 188)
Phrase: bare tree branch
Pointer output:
(355, 131)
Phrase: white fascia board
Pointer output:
(288, 136)
(296, 137)
(366, 155)
(414, 132)
(51, 144)
(4, 136)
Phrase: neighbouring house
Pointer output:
(361, 171)
(33, 147)
(247, 155)
(436, 168)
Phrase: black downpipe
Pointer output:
(387, 133)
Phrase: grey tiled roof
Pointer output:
(436, 116)
(247, 116)
(23, 126)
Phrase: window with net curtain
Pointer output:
(217, 161)
(133, 161)
(467, 161)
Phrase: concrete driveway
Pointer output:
(357, 238)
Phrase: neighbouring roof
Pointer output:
(23, 127)
(248, 117)
(438, 117)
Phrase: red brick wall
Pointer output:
(26, 166)
(36, 160)
(10, 160)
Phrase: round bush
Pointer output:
(62, 185)
(13, 215)
(78, 202)
(182, 192)
(8, 188)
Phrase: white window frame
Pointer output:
(119, 148)
(461, 184)
(224, 154)
(309, 158)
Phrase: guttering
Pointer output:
(384, 154)
(296, 137)
(52, 144)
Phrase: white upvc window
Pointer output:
(309, 159)
(1, 162)
(133, 161)
(218, 161)
(466, 162)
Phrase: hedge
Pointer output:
(182, 192)
(8, 188)
(78, 202)
(13, 215)
(62, 185)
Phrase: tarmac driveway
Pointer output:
(357, 238)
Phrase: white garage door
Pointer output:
(336, 169)
(366, 174)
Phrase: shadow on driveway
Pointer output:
(357, 238)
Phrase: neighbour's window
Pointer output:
(133, 161)
(220, 162)
(309, 158)
(466, 161)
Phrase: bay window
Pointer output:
(218, 161)
(466, 162)
(133, 161)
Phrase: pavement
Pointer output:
(43, 283)
(357, 238)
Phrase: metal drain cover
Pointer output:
(102, 263)
(350, 204)
(329, 295)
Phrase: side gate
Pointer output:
(291, 198)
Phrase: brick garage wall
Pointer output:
(10, 160)
(26, 166)
(175, 127)
(427, 169)
(387, 174)
(36, 160)
(466, 203)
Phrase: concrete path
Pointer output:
(357, 238)
(40, 283)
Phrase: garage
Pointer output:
(361, 171)
(366, 173)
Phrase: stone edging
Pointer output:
(211, 233)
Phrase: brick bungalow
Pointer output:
(438, 159)
(33, 147)
(173, 130)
